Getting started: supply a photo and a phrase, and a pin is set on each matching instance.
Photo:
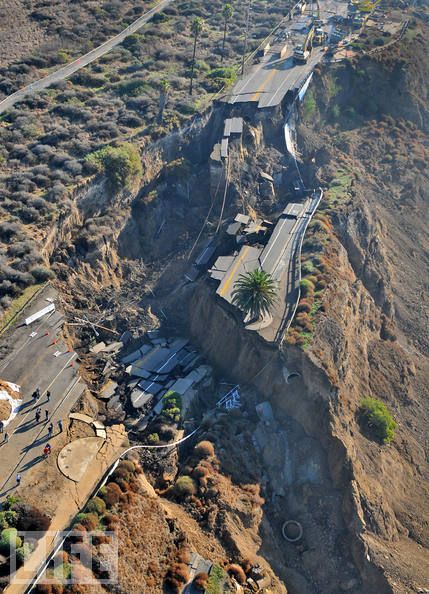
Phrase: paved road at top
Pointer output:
(83, 61)
(31, 363)
(268, 84)
(269, 80)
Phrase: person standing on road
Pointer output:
(60, 426)
(34, 395)
(46, 414)
(18, 479)
(50, 429)
(48, 396)
(6, 437)
(47, 450)
(37, 392)
(38, 415)
(1, 426)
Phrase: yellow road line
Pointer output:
(255, 96)
(233, 271)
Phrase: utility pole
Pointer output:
(246, 39)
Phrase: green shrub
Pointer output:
(62, 572)
(78, 518)
(307, 287)
(376, 414)
(63, 57)
(8, 519)
(172, 406)
(132, 42)
(172, 400)
(336, 112)
(90, 521)
(131, 88)
(3, 521)
(172, 413)
(215, 581)
(87, 79)
(9, 539)
(308, 267)
(185, 486)
(221, 77)
(96, 506)
(41, 274)
(11, 500)
(121, 165)
(153, 438)
(23, 553)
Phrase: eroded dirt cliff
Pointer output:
(370, 332)
(362, 505)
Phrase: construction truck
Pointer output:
(320, 36)
(365, 5)
(302, 52)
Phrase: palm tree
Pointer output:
(164, 87)
(197, 27)
(255, 293)
(227, 13)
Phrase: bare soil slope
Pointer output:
(373, 336)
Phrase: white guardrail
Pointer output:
(316, 206)
(291, 150)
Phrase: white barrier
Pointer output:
(39, 314)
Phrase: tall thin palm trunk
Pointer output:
(225, 28)
(191, 85)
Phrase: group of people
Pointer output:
(38, 416)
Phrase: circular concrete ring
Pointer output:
(294, 526)
(292, 376)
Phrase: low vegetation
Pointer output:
(121, 165)
(17, 517)
(315, 267)
(378, 419)
(216, 580)
(52, 143)
(172, 406)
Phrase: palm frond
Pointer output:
(255, 293)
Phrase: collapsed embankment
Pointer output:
(362, 504)
(297, 387)
(368, 336)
